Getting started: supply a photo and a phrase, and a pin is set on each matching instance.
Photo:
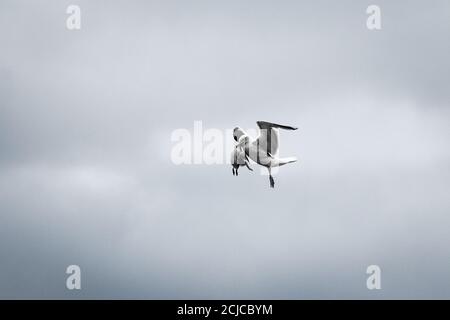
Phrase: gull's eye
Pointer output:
(235, 138)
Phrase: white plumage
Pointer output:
(262, 150)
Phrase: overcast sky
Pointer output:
(86, 177)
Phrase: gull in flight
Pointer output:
(263, 150)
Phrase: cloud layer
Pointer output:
(86, 178)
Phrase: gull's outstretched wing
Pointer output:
(268, 125)
(267, 141)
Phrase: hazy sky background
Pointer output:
(86, 176)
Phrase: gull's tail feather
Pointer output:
(283, 161)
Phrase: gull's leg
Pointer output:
(272, 182)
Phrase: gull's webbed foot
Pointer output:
(272, 182)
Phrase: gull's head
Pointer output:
(238, 133)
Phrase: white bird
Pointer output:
(262, 150)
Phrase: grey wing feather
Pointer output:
(268, 125)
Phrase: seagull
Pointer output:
(263, 150)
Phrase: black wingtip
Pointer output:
(263, 124)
